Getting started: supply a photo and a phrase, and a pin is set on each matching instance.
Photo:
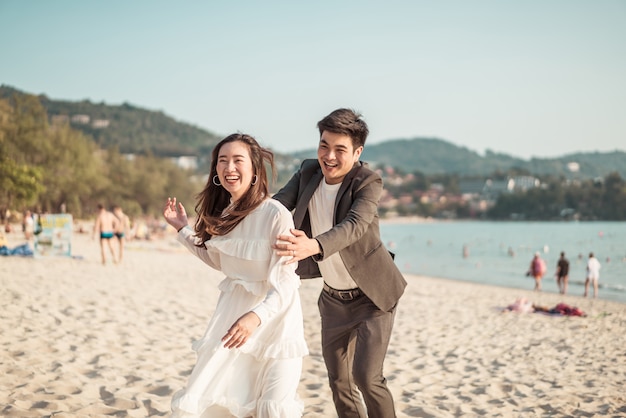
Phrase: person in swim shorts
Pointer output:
(122, 228)
(106, 224)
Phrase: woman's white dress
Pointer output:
(260, 379)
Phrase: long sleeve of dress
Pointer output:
(281, 278)
(188, 239)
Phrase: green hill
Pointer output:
(436, 156)
(130, 128)
(136, 130)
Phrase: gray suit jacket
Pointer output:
(356, 232)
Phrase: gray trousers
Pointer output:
(355, 337)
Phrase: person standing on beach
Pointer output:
(28, 225)
(335, 203)
(593, 275)
(250, 357)
(562, 273)
(537, 269)
(105, 226)
(123, 228)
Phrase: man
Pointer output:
(562, 273)
(337, 237)
(593, 275)
(123, 227)
(106, 224)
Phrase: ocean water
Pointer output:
(499, 253)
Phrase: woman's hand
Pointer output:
(175, 215)
(241, 330)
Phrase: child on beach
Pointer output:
(250, 357)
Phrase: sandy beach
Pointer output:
(80, 339)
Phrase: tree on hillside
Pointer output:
(20, 183)
(614, 198)
(45, 168)
(74, 172)
(588, 200)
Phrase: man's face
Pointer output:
(336, 156)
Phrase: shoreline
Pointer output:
(529, 291)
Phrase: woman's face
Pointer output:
(234, 168)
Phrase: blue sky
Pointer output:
(528, 78)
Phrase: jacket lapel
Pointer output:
(303, 201)
(344, 187)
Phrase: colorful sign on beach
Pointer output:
(55, 235)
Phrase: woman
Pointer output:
(537, 269)
(250, 358)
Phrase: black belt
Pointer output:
(343, 295)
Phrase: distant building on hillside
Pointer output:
(58, 120)
(483, 194)
(101, 123)
(573, 167)
(490, 189)
(81, 119)
(524, 183)
(187, 162)
(470, 188)
(494, 188)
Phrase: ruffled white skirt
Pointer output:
(257, 380)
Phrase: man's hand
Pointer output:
(241, 330)
(297, 246)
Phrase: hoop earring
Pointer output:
(256, 178)
(216, 182)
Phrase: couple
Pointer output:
(250, 358)
(110, 225)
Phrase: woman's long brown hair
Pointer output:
(211, 219)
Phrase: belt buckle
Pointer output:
(345, 294)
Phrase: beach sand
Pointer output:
(79, 339)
